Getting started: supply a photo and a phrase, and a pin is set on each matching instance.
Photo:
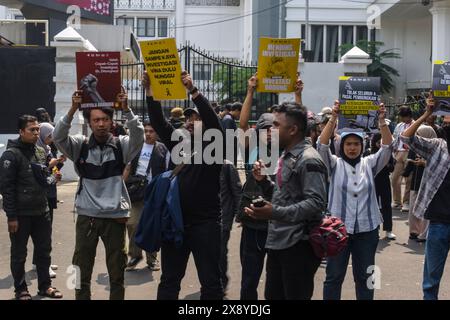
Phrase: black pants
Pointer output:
(51, 223)
(203, 241)
(40, 230)
(384, 196)
(290, 273)
(224, 258)
(253, 253)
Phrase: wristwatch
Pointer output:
(194, 90)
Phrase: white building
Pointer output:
(9, 13)
(419, 30)
(218, 26)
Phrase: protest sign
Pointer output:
(162, 64)
(98, 76)
(441, 87)
(278, 65)
(360, 99)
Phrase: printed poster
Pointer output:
(162, 64)
(278, 65)
(98, 76)
(360, 99)
(441, 87)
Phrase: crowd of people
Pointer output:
(319, 171)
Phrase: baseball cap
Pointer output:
(190, 110)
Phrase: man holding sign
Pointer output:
(102, 202)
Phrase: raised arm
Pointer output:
(207, 113)
(299, 85)
(386, 135)
(411, 131)
(328, 131)
(162, 127)
(247, 105)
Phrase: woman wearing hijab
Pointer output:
(418, 227)
(352, 198)
(44, 141)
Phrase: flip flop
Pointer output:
(51, 293)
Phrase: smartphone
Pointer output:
(259, 202)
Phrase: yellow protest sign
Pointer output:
(162, 64)
(278, 64)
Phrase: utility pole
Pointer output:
(307, 35)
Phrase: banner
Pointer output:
(278, 65)
(441, 87)
(100, 7)
(162, 64)
(98, 76)
(360, 99)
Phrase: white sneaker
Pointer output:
(52, 273)
(390, 235)
(54, 266)
(405, 208)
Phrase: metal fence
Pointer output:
(221, 80)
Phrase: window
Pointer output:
(162, 27)
(125, 22)
(347, 34)
(146, 27)
(202, 71)
(317, 43)
(19, 17)
(332, 43)
(361, 33)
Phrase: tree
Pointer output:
(377, 68)
(231, 82)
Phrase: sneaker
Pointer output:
(33, 267)
(390, 235)
(405, 208)
(132, 264)
(154, 266)
(54, 266)
(413, 236)
(52, 273)
(396, 206)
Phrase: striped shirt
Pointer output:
(435, 152)
(399, 129)
(352, 195)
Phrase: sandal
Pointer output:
(51, 293)
(23, 295)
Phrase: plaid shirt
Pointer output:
(435, 152)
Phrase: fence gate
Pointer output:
(221, 80)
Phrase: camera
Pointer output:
(259, 202)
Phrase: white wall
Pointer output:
(2, 12)
(225, 38)
(321, 85)
(413, 39)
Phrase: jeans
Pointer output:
(40, 230)
(203, 241)
(252, 252)
(362, 247)
(436, 251)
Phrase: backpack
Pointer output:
(329, 238)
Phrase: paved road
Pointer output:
(400, 262)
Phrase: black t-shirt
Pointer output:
(439, 208)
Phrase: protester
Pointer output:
(102, 202)
(400, 156)
(299, 199)
(152, 160)
(24, 180)
(199, 187)
(432, 201)
(352, 198)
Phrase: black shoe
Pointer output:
(413, 236)
(132, 264)
(421, 240)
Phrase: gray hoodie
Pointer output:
(106, 198)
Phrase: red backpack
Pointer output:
(329, 238)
